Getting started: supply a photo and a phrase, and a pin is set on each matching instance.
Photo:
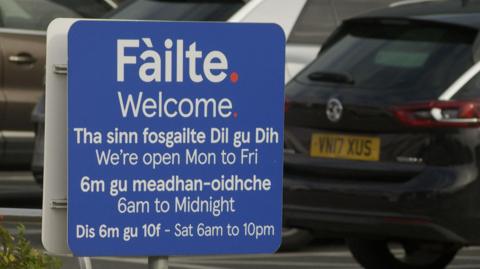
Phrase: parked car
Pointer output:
(382, 136)
(22, 39)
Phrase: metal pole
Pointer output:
(85, 262)
(156, 262)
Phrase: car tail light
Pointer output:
(440, 114)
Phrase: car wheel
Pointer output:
(380, 254)
(295, 238)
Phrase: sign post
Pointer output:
(174, 138)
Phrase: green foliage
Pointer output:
(17, 253)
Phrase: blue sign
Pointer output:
(175, 138)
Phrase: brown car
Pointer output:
(22, 64)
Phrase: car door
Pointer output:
(22, 43)
(23, 76)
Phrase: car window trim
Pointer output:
(460, 82)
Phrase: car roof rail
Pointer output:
(410, 2)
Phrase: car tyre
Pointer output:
(295, 238)
(376, 254)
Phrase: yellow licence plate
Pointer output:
(350, 147)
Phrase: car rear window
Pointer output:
(411, 56)
(178, 10)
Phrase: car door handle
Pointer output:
(22, 58)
